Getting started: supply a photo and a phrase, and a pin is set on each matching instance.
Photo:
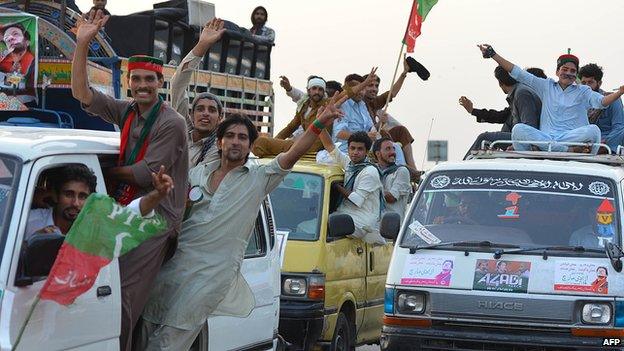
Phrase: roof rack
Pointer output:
(489, 150)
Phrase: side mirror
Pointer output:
(615, 254)
(390, 225)
(340, 225)
(40, 253)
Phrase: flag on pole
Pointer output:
(103, 231)
(420, 10)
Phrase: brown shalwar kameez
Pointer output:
(398, 134)
(167, 146)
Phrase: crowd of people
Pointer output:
(557, 115)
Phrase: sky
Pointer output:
(335, 38)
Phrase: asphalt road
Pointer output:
(368, 348)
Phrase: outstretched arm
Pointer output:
(399, 82)
(609, 99)
(488, 52)
(88, 26)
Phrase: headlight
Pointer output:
(596, 313)
(294, 286)
(410, 302)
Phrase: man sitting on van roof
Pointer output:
(395, 178)
(564, 105)
(361, 197)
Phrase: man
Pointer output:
(361, 196)
(100, 5)
(564, 105)
(611, 119)
(375, 103)
(524, 107)
(395, 178)
(331, 87)
(16, 61)
(357, 117)
(71, 186)
(206, 109)
(259, 17)
(308, 106)
(153, 134)
(203, 277)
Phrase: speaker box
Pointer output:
(198, 12)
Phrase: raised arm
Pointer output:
(327, 141)
(88, 26)
(609, 99)
(162, 187)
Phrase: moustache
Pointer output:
(569, 76)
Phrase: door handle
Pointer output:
(359, 250)
(371, 261)
(104, 291)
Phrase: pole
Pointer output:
(23, 328)
(422, 166)
(396, 69)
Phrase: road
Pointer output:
(368, 348)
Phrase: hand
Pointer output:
(383, 117)
(486, 50)
(89, 25)
(406, 67)
(212, 32)
(285, 83)
(373, 135)
(330, 112)
(48, 230)
(621, 90)
(162, 182)
(466, 103)
(370, 79)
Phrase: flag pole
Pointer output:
(422, 166)
(23, 328)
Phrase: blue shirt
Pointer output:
(356, 119)
(562, 110)
(611, 124)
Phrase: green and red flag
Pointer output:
(420, 10)
(102, 231)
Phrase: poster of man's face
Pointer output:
(18, 56)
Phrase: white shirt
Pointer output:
(398, 185)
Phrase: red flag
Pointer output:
(420, 10)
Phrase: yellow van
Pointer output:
(332, 285)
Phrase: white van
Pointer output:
(27, 157)
(510, 251)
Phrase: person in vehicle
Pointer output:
(203, 278)
(361, 196)
(395, 178)
(152, 134)
(524, 107)
(601, 229)
(611, 119)
(259, 17)
(71, 186)
(564, 105)
(465, 212)
(206, 109)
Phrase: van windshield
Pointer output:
(527, 209)
(9, 173)
(297, 204)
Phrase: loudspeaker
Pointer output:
(198, 12)
(131, 42)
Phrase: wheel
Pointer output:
(201, 341)
(344, 338)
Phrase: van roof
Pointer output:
(30, 143)
(309, 165)
(608, 159)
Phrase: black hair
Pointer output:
(266, 13)
(73, 172)
(360, 137)
(591, 70)
(354, 76)
(378, 142)
(503, 77)
(603, 267)
(236, 119)
(18, 26)
(332, 84)
(538, 72)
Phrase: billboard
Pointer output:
(19, 55)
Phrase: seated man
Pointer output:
(564, 106)
(307, 109)
(395, 178)
(71, 185)
(524, 107)
(610, 120)
(362, 193)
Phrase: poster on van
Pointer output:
(501, 275)
(428, 270)
(18, 56)
(581, 277)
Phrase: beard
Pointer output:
(234, 155)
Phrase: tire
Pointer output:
(201, 341)
(344, 338)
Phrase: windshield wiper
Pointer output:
(578, 249)
(464, 243)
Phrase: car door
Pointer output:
(260, 268)
(92, 322)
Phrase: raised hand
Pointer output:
(486, 50)
(285, 83)
(89, 25)
(406, 67)
(369, 80)
(330, 112)
(212, 32)
(466, 103)
(162, 182)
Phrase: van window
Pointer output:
(9, 176)
(257, 243)
(527, 209)
(297, 204)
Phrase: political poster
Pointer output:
(501, 275)
(18, 56)
(428, 270)
(587, 277)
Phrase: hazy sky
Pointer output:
(335, 38)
